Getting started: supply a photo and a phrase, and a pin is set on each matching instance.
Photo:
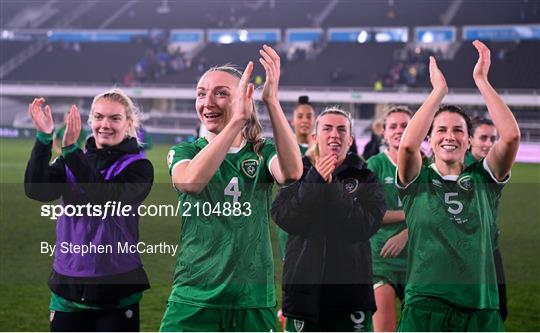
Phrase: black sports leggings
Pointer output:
(119, 320)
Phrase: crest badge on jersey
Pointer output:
(351, 184)
(170, 157)
(249, 167)
(358, 318)
(298, 325)
(465, 183)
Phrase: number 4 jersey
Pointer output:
(451, 220)
(225, 259)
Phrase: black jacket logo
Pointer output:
(351, 184)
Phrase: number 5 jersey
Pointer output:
(451, 221)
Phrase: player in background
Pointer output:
(484, 136)
(303, 123)
(330, 214)
(224, 276)
(388, 245)
(93, 291)
(451, 208)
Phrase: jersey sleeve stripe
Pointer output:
(270, 163)
(404, 187)
(500, 182)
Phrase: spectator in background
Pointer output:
(373, 147)
(378, 86)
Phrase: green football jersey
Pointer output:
(469, 159)
(385, 169)
(303, 148)
(225, 259)
(450, 221)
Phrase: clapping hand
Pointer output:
(271, 63)
(73, 127)
(242, 104)
(42, 120)
(481, 69)
(436, 76)
(325, 166)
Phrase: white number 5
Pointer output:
(233, 189)
(457, 206)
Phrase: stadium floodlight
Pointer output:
(427, 37)
(382, 37)
(243, 35)
(7, 34)
(362, 37)
(226, 39)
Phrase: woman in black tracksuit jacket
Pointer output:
(330, 214)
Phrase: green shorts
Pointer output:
(394, 278)
(358, 321)
(182, 317)
(434, 315)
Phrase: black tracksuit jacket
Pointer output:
(327, 267)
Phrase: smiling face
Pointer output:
(395, 124)
(333, 136)
(449, 139)
(483, 139)
(303, 120)
(109, 123)
(214, 97)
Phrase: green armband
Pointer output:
(45, 138)
(69, 149)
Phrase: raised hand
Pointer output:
(242, 104)
(481, 69)
(271, 63)
(436, 76)
(325, 166)
(73, 127)
(42, 120)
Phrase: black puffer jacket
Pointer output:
(328, 258)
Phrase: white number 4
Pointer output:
(233, 189)
(454, 206)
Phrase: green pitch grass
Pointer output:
(24, 296)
